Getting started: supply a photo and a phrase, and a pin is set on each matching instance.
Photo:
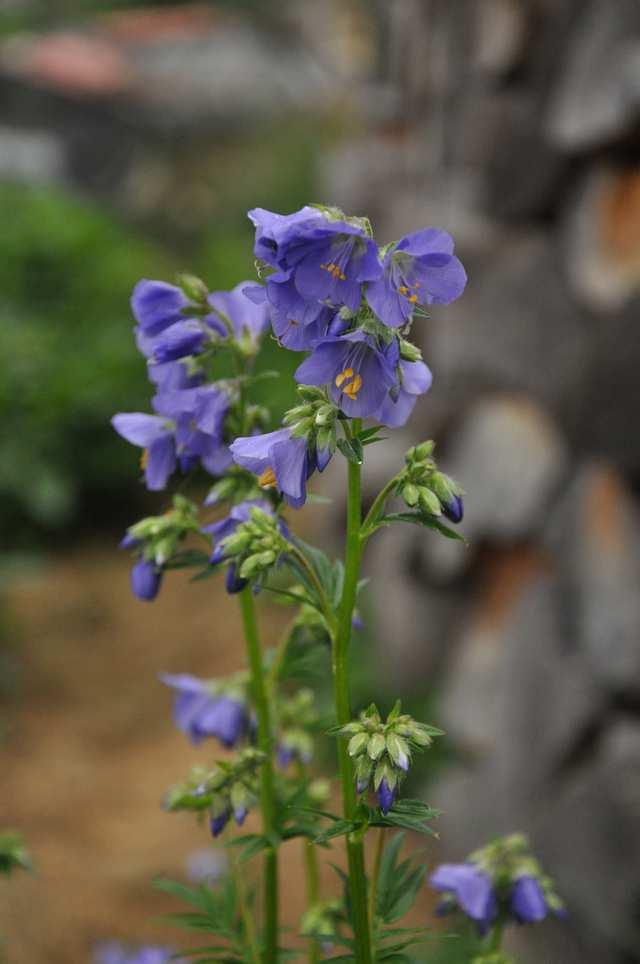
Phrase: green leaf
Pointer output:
(339, 829)
(350, 451)
(428, 521)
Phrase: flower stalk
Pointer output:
(342, 638)
(267, 788)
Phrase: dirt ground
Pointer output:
(90, 748)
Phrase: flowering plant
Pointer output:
(326, 288)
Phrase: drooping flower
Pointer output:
(470, 889)
(329, 259)
(146, 579)
(113, 952)
(156, 437)
(249, 319)
(420, 270)
(359, 374)
(200, 711)
(221, 530)
(157, 305)
(453, 508)
(179, 341)
(273, 231)
(415, 380)
(278, 459)
(527, 901)
(297, 324)
(187, 429)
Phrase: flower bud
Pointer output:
(409, 352)
(411, 494)
(357, 744)
(429, 501)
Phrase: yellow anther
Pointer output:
(412, 299)
(343, 376)
(144, 458)
(267, 479)
(352, 389)
(334, 270)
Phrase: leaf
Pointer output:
(428, 521)
(188, 558)
(339, 829)
(250, 844)
(350, 451)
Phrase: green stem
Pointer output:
(375, 876)
(369, 524)
(247, 919)
(267, 790)
(355, 848)
(495, 938)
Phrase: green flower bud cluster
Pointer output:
(236, 485)
(422, 486)
(256, 545)
(161, 534)
(322, 920)
(315, 419)
(382, 750)
(506, 859)
(231, 786)
(297, 716)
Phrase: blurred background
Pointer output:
(132, 142)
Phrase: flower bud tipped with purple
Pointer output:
(146, 579)
(233, 582)
(386, 796)
(454, 509)
(219, 822)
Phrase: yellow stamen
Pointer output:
(352, 389)
(144, 458)
(405, 291)
(334, 270)
(343, 376)
(267, 479)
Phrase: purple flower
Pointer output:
(471, 889)
(249, 319)
(416, 379)
(207, 866)
(420, 270)
(157, 305)
(386, 796)
(181, 340)
(328, 259)
(358, 373)
(146, 579)
(188, 428)
(153, 434)
(297, 324)
(201, 713)
(278, 459)
(114, 952)
(527, 901)
(274, 231)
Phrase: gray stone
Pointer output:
(515, 328)
(33, 156)
(601, 239)
(597, 531)
(510, 459)
(598, 92)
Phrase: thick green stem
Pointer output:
(267, 791)
(495, 938)
(355, 848)
(312, 878)
(375, 876)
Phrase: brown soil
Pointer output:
(91, 748)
